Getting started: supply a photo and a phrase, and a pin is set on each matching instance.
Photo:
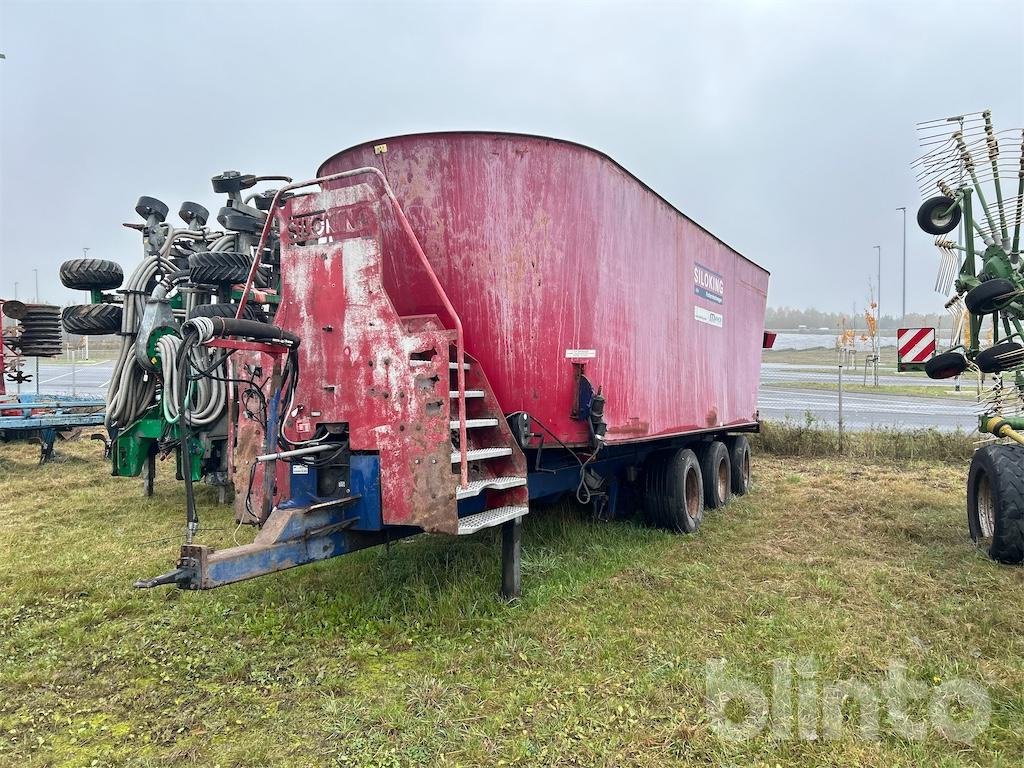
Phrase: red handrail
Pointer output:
(460, 351)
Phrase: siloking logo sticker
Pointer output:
(708, 284)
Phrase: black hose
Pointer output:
(227, 326)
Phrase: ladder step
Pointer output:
(494, 483)
(475, 423)
(469, 393)
(453, 366)
(482, 453)
(490, 518)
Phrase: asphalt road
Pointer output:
(89, 377)
(860, 411)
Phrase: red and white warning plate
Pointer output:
(915, 346)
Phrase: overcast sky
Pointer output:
(785, 128)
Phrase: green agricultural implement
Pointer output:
(186, 272)
(979, 175)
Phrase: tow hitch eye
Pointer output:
(182, 577)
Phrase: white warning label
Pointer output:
(703, 315)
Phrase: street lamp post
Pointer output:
(878, 300)
(903, 313)
(878, 313)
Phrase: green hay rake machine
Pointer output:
(979, 175)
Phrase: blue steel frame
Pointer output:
(307, 528)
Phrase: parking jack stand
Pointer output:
(511, 558)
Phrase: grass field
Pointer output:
(966, 393)
(406, 657)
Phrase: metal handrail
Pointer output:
(460, 350)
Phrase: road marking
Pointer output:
(88, 365)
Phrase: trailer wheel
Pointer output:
(92, 319)
(936, 216)
(946, 366)
(716, 472)
(989, 296)
(1001, 357)
(739, 462)
(91, 274)
(995, 501)
(674, 491)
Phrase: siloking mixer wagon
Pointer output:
(454, 329)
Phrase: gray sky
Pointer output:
(785, 128)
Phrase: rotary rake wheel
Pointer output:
(972, 179)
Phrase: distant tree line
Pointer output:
(789, 318)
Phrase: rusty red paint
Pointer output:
(545, 247)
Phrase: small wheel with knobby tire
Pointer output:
(674, 490)
(716, 472)
(739, 463)
(91, 275)
(995, 501)
(222, 268)
(92, 319)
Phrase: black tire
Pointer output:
(251, 312)
(222, 268)
(995, 501)
(990, 296)
(935, 217)
(1000, 357)
(946, 366)
(739, 463)
(674, 491)
(91, 275)
(716, 473)
(92, 319)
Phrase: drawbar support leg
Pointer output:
(511, 558)
(149, 474)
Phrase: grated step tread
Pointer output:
(478, 454)
(454, 393)
(476, 487)
(490, 518)
(475, 423)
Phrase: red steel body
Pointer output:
(551, 252)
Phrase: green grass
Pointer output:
(813, 439)
(406, 657)
(911, 390)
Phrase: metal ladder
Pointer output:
(481, 450)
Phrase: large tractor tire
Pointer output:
(716, 473)
(739, 463)
(674, 491)
(995, 501)
(92, 319)
(91, 275)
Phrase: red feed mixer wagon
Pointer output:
(468, 327)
